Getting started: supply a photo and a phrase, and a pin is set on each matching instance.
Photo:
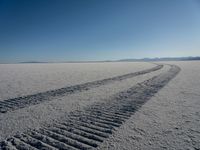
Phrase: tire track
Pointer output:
(21, 102)
(87, 129)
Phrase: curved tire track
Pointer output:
(87, 129)
(21, 102)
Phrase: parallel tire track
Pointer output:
(87, 129)
(21, 102)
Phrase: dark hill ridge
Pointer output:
(128, 60)
(164, 59)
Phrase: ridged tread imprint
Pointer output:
(87, 129)
(22, 102)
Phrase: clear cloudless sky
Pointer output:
(79, 30)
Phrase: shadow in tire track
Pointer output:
(22, 102)
(87, 129)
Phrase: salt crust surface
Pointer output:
(24, 79)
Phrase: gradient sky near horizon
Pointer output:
(81, 30)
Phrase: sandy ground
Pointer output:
(24, 79)
(37, 115)
(170, 120)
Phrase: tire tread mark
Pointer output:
(73, 136)
(34, 142)
(93, 127)
(25, 101)
(49, 140)
(87, 129)
(80, 133)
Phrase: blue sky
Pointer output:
(72, 30)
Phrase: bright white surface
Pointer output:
(45, 113)
(24, 79)
(170, 120)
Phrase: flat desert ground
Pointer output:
(107, 105)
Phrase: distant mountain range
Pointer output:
(128, 60)
(33, 62)
(164, 59)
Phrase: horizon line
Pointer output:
(186, 58)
